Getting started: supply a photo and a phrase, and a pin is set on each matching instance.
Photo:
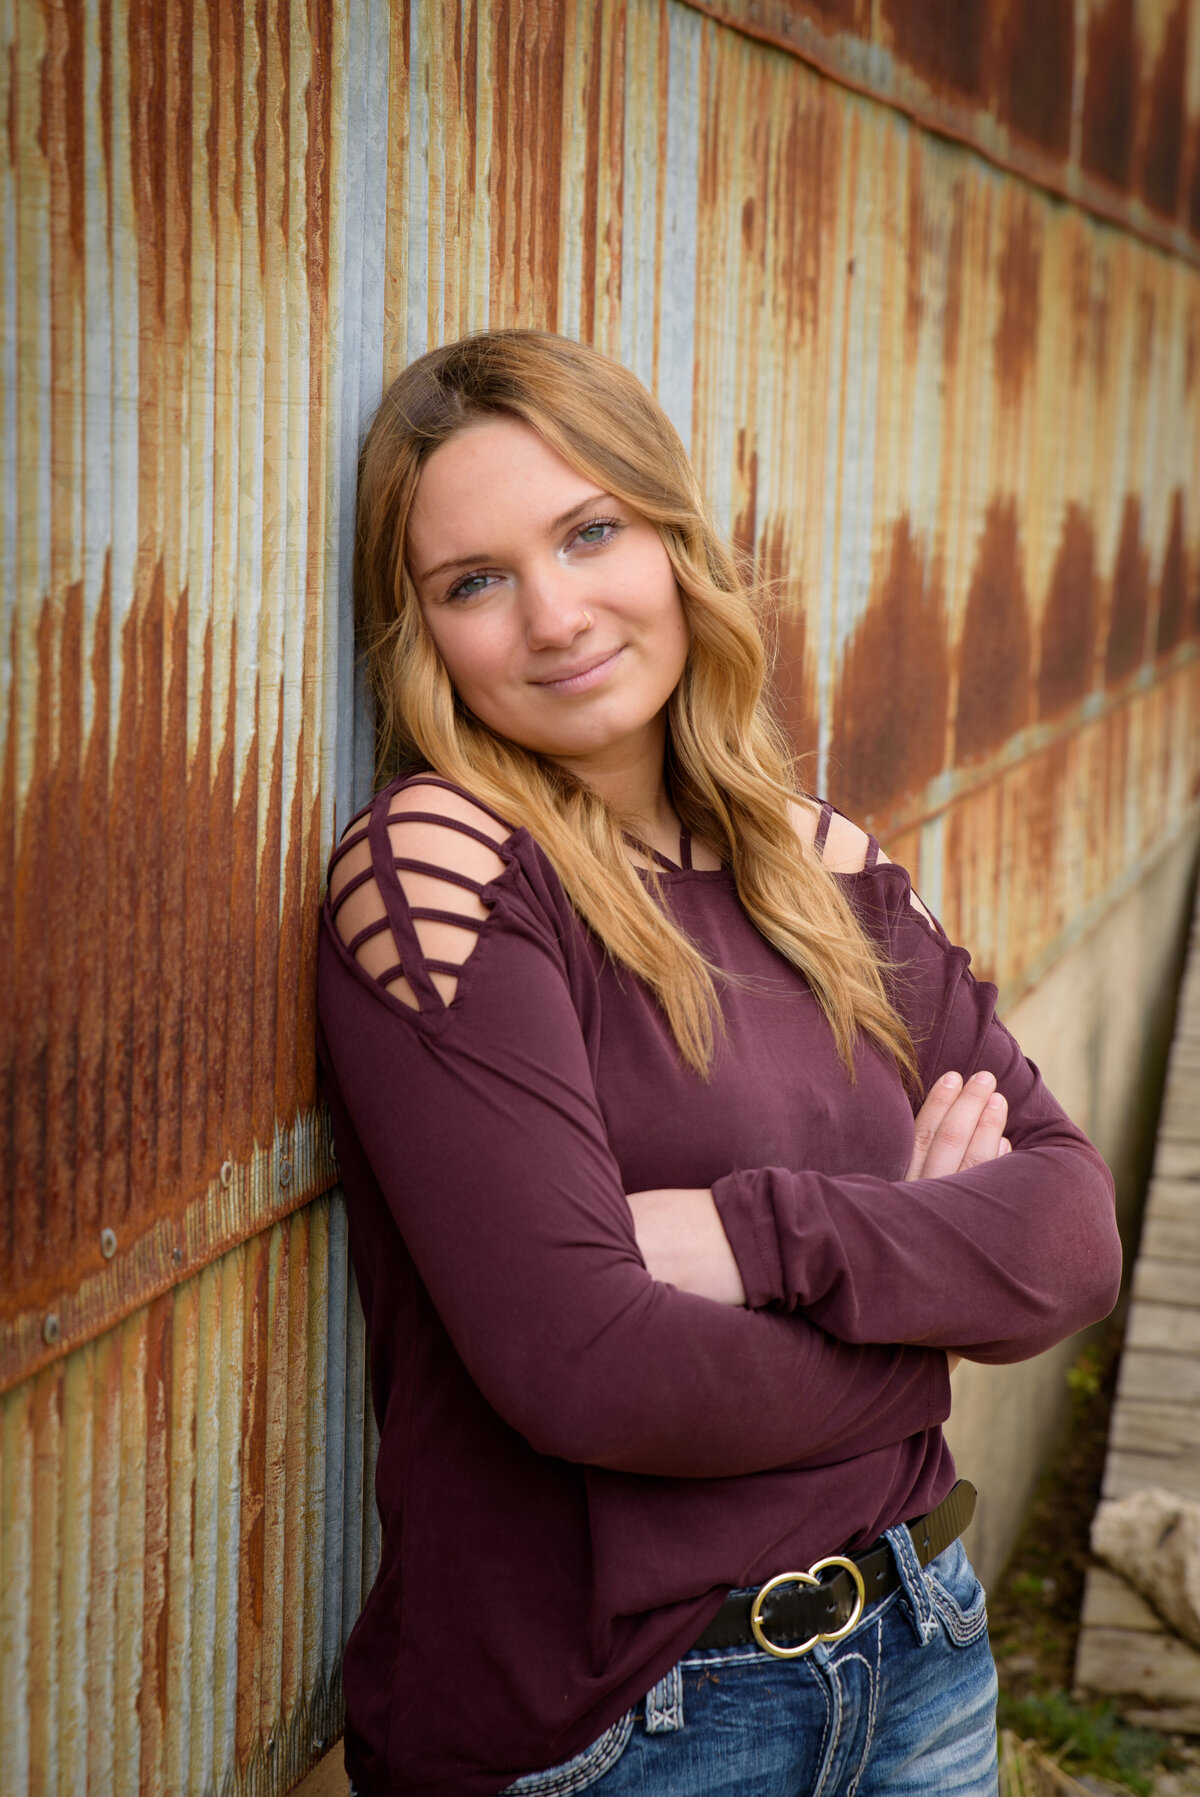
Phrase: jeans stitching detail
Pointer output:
(915, 1581)
(664, 1704)
(832, 1692)
(583, 1770)
(963, 1626)
(872, 1707)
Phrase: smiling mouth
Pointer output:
(577, 679)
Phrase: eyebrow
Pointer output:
(559, 523)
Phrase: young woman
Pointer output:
(675, 1139)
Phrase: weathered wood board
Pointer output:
(1125, 1649)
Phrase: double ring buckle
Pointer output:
(808, 1578)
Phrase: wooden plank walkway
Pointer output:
(1125, 1651)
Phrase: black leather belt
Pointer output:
(827, 1611)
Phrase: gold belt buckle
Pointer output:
(808, 1578)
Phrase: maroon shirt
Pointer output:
(576, 1462)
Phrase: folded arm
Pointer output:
(1001, 1241)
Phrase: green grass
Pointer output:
(1086, 1738)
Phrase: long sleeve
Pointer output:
(999, 1262)
(485, 1139)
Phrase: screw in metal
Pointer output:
(226, 1175)
(108, 1243)
(177, 1256)
(285, 1173)
(51, 1329)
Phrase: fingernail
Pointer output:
(995, 1102)
(983, 1079)
(952, 1079)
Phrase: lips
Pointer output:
(561, 676)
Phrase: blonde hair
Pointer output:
(728, 765)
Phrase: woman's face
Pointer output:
(553, 605)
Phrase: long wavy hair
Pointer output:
(728, 765)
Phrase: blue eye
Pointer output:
(466, 588)
(597, 532)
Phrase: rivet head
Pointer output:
(318, 1743)
(177, 1256)
(285, 1173)
(226, 1175)
(108, 1243)
(270, 1743)
(51, 1329)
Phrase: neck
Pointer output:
(630, 781)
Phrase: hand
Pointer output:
(959, 1126)
(683, 1243)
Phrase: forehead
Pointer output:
(491, 470)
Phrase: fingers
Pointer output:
(929, 1120)
(959, 1126)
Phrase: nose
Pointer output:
(553, 607)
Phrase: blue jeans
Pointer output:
(905, 1706)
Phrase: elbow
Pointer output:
(1085, 1294)
(572, 1416)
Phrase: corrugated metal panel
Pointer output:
(1098, 100)
(166, 336)
(956, 421)
(171, 1497)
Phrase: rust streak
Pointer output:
(106, 98)
(591, 183)
(243, 950)
(1037, 68)
(944, 40)
(258, 150)
(71, 26)
(1068, 633)
(195, 1152)
(888, 746)
(173, 920)
(264, 921)
(1130, 597)
(147, 876)
(993, 656)
(1109, 93)
(1163, 127)
(61, 920)
(94, 939)
(1173, 583)
(215, 870)
(179, 173)
(1019, 280)
(32, 958)
(148, 135)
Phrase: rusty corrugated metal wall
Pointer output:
(956, 418)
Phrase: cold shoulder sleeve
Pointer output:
(998, 1262)
(462, 1098)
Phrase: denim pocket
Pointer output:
(578, 1773)
(958, 1597)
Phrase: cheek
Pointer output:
(468, 656)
